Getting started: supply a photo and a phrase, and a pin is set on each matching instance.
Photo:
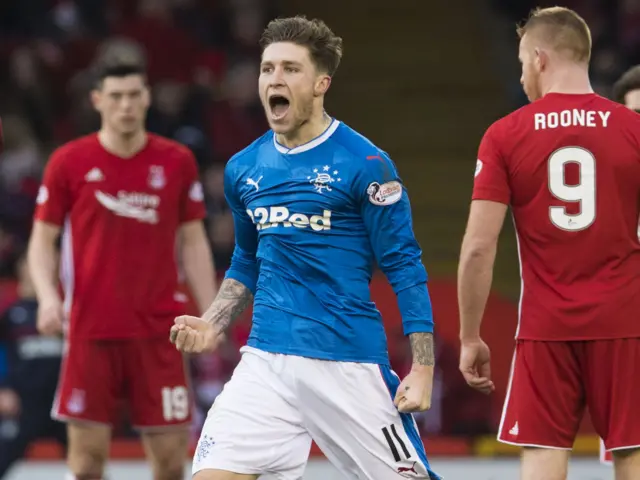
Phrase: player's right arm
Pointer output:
(52, 205)
(193, 335)
(491, 196)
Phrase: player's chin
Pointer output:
(280, 127)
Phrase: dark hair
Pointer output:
(629, 81)
(119, 70)
(563, 28)
(324, 46)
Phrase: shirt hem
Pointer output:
(320, 355)
(535, 338)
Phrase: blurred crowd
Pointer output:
(202, 64)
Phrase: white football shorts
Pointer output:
(274, 405)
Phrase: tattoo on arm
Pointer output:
(233, 297)
(422, 348)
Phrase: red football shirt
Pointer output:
(120, 219)
(569, 167)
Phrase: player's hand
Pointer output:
(194, 335)
(414, 393)
(50, 317)
(9, 403)
(475, 365)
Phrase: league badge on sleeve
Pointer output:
(478, 168)
(43, 195)
(385, 194)
(196, 194)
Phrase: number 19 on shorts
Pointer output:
(175, 403)
(584, 192)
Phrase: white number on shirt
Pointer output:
(584, 192)
(175, 403)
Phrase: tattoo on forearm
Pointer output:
(233, 297)
(422, 348)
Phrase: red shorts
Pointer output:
(553, 382)
(605, 456)
(150, 374)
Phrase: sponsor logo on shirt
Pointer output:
(281, 217)
(136, 205)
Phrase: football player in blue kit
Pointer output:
(316, 205)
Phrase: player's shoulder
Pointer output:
(509, 122)
(248, 156)
(348, 141)
(170, 150)
(77, 148)
(72, 155)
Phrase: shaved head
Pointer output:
(561, 30)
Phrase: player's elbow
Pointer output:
(478, 250)
(405, 274)
(43, 240)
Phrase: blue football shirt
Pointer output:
(310, 224)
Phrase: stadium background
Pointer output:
(423, 79)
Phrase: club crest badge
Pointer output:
(157, 178)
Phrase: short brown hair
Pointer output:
(324, 46)
(563, 28)
(629, 81)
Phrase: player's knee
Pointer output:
(173, 471)
(87, 451)
(167, 453)
(169, 468)
(550, 464)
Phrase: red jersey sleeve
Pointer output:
(491, 177)
(192, 205)
(54, 197)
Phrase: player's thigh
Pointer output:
(613, 391)
(90, 383)
(350, 414)
(545, 397)
(255, 426)
(159, 390)
(544, 463)
(627, 463)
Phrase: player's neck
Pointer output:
(313, 128)
(124, 146)
(569, 80)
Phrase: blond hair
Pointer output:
(563, 29)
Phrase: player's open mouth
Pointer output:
(279, 106)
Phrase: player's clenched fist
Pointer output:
(50, 317)
(414, 393)
(194, 335)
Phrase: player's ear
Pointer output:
(146, 96)
(96, 98)
(541, 58)
(322, 85)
